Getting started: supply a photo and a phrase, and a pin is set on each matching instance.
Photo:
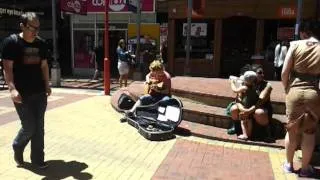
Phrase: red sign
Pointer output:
(74, 6)
(118, 6)
(287, 12)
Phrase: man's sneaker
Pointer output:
(287, 168)
(18, 158)
(42, 165)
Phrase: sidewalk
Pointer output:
(85, 140)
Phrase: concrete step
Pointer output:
(216, 117)
(187, 128)
(218, 100)
(217, 92)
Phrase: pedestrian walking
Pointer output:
(27, 75)
(300, 78)
(98, 56)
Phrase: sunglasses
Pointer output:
(31, 28)
(260, 72)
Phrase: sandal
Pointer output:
(243, 137)
(287, 168)
(307, 173)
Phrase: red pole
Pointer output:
(106, 50)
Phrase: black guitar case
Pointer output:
(157, 122)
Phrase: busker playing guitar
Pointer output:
(157, 87)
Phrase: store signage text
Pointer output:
(75, 5)
(117, 5)
(10, 12)
(287, 12)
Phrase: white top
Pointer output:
(279, 56)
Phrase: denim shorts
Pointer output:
(148, 99)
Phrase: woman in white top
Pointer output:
(123, 65)
(279, 56)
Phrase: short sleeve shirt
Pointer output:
(27, 58)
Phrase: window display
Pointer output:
(83, 49)
(202, 34)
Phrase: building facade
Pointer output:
(226, 34)
(87, 32)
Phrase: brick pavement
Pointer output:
(84, 140)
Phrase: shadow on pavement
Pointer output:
(182, 132)
(59, 169)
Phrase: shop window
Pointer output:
(83, 48)
(202, 33)
(272, 28)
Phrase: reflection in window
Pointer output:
(202, 33)
(83, 48)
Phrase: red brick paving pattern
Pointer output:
(12, 116)
(194, 160)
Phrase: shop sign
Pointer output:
(74, 6)
(287, 12)
(118, 5)
(10, 12)
(149, 37)
(197, 29)
(16, 12)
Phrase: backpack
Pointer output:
(125, 101)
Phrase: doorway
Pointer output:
(114, 37)
(238, 44)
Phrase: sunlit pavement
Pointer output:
(85, 140)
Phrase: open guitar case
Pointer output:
(157, 122)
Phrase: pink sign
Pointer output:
(74, 6)
(118, 6)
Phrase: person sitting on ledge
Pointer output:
(246, 98)
(262, 110)
(157, 87)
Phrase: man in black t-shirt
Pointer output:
(27, 75)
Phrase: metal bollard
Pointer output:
(55, 75)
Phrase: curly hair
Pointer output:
(156, 65)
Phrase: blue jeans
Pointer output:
(31, 113)
(148, 99)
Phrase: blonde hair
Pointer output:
(156, 65)
(121, 42)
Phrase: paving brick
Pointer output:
(222, 160)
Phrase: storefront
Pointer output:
(226, 34)
(87, 32)
(10, 17)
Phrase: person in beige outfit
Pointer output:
(300, 78)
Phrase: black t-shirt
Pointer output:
(27, 58)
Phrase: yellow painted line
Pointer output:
(276, 160)
(4, 110)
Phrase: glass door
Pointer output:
(83, 48)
